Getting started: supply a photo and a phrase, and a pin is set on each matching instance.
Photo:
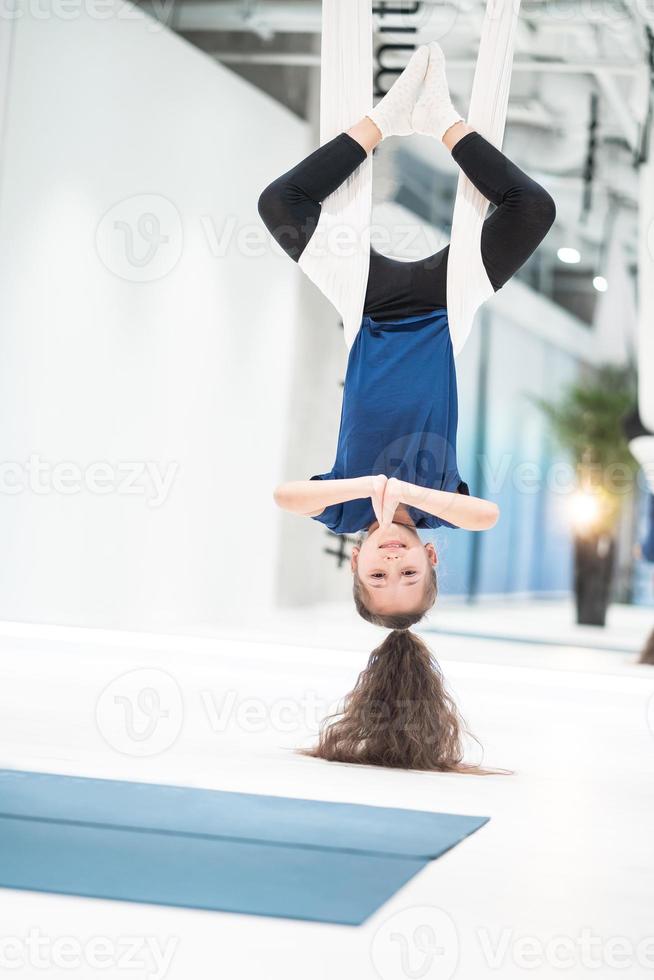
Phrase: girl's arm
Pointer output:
(469, 513)
(310, 497)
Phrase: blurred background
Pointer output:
(163, 365)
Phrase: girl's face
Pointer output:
(393, 564)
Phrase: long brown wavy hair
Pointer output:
(399, 714)
(647, 654)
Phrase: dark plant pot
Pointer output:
(647, 654)
(594, 562)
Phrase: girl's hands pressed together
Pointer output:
(377, 495)
(392, 500)
(461, 510)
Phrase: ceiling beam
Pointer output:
(599, 69)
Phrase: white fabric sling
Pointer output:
(337, 257)
(468, 285)
(642, 449)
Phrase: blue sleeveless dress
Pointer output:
(399, 415)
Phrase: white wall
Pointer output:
(191, 368)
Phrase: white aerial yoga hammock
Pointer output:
(642, 449)
(337, 256)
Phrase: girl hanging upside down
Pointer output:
(396, 469)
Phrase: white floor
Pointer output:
(560, 882)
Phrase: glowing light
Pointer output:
(585, 509)
(600, 284)
(571, 256)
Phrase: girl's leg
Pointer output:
(366, 133)
(290, 206)
(455, 133)
(524, 211)
(523, 215)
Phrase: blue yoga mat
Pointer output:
(235, 852)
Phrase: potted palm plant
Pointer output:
(587, 421)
